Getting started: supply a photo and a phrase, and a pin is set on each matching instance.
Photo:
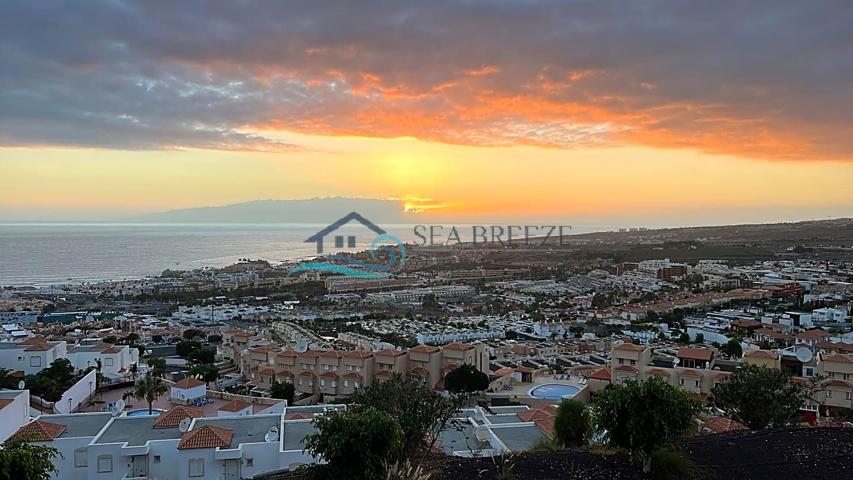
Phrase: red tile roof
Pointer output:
(602, 374)
(630, 347)
(172, 418)
(702, 354)
(358, 354)
(838, 357)
(299, 416)
(458, 346)
(626, 368)
(38, 431)
(390, 352)
(235, 405)
(723, 425)
(689, 372)
(5, 401)
(815, 334)
(188, 383)
(207, 436)
(424, 349)
(762, 354)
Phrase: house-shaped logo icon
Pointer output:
(351, 240)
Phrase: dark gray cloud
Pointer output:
(763, 78)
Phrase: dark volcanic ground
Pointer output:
(812, 453)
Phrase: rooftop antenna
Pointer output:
(272, 435)
(184, 425)
(804, 355)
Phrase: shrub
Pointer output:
(571, 423)
(356, 443)
(641, 417)
(761, 397)
(466, 379)
(672, 463)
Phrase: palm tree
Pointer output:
(150, 388)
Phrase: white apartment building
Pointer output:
(116, 360)
(30, 355)
(179, 444)
(825, 315)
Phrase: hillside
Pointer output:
(808, 453)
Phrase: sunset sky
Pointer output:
(654, 112)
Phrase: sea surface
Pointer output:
(57, 253)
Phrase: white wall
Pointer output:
(16, 414)
(77, 394)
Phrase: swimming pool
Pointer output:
(553, 391)
(143, 412)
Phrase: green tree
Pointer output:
(421, 412)
(466, 379)
(761, 397)
(192, 333)
(130, 339)
(355, 443)
(732, 348)
(110, 339)
(283, 391)
(157, 366)
(60, 370)
(641, 417)
(206, 372)
(185, 348)
(157, 338)
(149, 388)
(22, 460)
(571, 424)
(202, 356)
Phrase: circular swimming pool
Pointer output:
(553, 391)
(143, 412)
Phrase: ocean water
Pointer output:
(55, 253)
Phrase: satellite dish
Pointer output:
(482, 434)
(803, 354)
(21, 385)
(272, 435)
(120, 405)
(184, 425)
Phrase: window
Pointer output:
(196, 467)
(346, 383)
(621, 361)
(108, 362)
(339, 241)
(81, 457)
(355, 384)
(633, 362)
(322, 383)
(829, 394)
(351, 241)
(250, 462)
(35, 361)
(105, 463)
(156, 458)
